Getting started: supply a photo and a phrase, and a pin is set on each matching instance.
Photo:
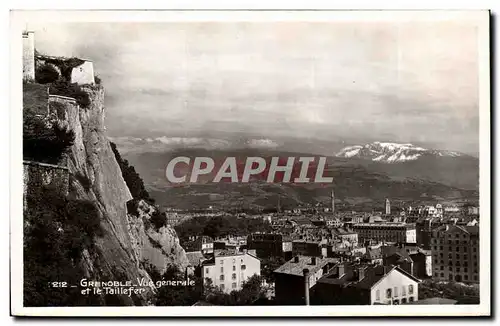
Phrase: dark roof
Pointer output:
(375, 253)
(293, 268)
(372, 275)
(194, 257)
(388, 251)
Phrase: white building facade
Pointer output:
(228, 270)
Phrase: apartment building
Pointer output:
(228, 269)
(455, 253)
(389, 232)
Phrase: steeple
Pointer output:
(333, 202)
(387, 207)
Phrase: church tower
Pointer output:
(387, 207)
(333, 201)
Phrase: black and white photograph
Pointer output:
(286, 163)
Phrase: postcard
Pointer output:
(250, 163)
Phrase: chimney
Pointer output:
(296, 259)
(341, 268)
(361, 273)
(306, 285)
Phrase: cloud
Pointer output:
(409, 80)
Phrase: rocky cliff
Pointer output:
(127, 239)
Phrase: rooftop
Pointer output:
(297, 268)
(194, 257)
(372, 275)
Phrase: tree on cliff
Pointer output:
(131, 177)
(56, 230)
(42, 142)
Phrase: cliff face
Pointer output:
(96, 176)
(159, 247)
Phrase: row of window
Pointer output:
(234, 261)
(232, 277)
(457, 256)
(466, 277)
(389, 293)
(456, 236)
(457, 263)
(403, 300)
(464, 249)
(243, 267)
(466, 270)
(233, 285)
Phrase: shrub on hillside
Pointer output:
(64, 88)
(46, 73)
(131, 177)
(158, 219)
(57, 230)
(45, 143)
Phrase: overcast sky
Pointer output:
(408, 82)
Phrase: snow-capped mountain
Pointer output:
(392, 152)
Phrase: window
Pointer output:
(222, 269)
(234, 268)
(436, 274)
(442, 267)
(451, 268)
(403, 300)
(403, 289)
(243, 267)
(458, 269)
(388, 293)
(234, 285)
(221, 278)
(377, 295)
(466, 277)
(412, 299)
(442, 274)
(234, 276)
(222, 287)
(222, 261)
(206, 270)
(395, 291)
(410, 289)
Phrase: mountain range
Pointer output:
(393, 152)
(364, 175)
